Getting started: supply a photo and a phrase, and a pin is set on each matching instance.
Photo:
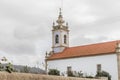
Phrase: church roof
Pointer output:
(86, 50)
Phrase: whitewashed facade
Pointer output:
(88, 65)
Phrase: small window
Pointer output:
(56, 39)
(65, 38)
(98, 67)
(69, 68)
(69, 71)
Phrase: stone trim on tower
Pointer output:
(60, 29)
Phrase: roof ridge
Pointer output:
(96, 43)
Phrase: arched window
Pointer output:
(65, 38)
(56, 39)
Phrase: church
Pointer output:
(86, 58)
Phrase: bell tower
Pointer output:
(60, 35)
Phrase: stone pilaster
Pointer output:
(118, 59)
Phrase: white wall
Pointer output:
(54, 34)
(58, 47)
(67, 35)
(87, 64)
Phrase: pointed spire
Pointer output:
(60, 20)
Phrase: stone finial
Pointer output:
(53, 23)
(60, 20)
(46, 54)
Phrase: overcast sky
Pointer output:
(25, 26)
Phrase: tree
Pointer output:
(25, 69)
(1, 67)
(9, 67)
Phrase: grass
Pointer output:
(28, 76)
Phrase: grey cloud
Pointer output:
(18, 47)
(31, 32)
(83, 40)
(25, 27)
(103, 26)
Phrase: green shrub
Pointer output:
(75, 74)
(54, 72)
(103, 74)
(89, 76)
(80, 74)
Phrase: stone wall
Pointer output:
(24, 76)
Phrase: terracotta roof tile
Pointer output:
(86, 50)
